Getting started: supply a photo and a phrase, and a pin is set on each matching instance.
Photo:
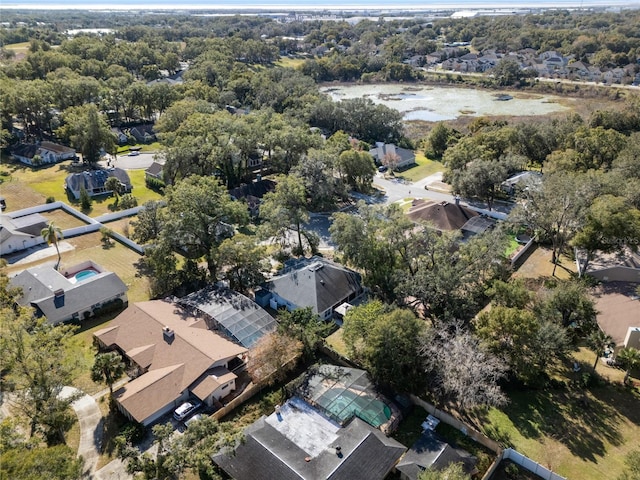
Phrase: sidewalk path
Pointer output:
(90, 420)
(114, 470)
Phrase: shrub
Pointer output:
(85, 199)
(106, 236)
(133, 432)
(50, 200)
(155, 184)
(108, 307)
(127, 201)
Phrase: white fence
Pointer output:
(528, 464)
(93, 224)
(526, 248)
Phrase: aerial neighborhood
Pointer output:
(340, 245)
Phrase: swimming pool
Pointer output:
(342, 404)
(84, 274)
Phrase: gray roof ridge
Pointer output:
(270, 450)
(353, 450)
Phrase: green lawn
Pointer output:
(336, 342)
(144, 147)
(290, 62)
(424, 168)
(512, 247)
(26, 187)
(575, 439)
(22, 47)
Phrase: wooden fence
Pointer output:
(251, 390)
(457, 424)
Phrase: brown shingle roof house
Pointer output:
(443, 215)
(173, 354)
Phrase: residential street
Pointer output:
(397, 190)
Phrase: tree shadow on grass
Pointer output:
(584, 422)
(111, 427)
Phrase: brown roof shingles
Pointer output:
(211, 381)
(443, 216)
(150, 392)
(138, 331)
(618, 309)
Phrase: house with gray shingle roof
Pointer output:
(74, 293)
(48, 152)
(298, 443)
(404, 158)
(430, 452)
(311, 282)
(94, 182)
(20, 233)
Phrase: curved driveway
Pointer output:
(90, 420)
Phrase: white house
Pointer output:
(47, 152)
(75, 293)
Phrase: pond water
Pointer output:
(435, 104)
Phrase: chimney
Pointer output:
(168, 334)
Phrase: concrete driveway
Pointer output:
(137, 162)
(91, 423)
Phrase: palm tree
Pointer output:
(107, 368)
(597, 342)
(630, 358)
(51, 234)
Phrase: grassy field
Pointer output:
(25, 187)
(576, 432)
(581, 434)
(144, 147)
(18, 48)
(424, 168)
(62, 219)
(288, 62)
(537, 264)
(117, 258)
(512, 247)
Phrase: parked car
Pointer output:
(195, 418)
(134, 153)
(184, 410)
(383, 168)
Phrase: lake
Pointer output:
(435, 104)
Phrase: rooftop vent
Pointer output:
(59, 292)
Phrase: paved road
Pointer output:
(398, 189)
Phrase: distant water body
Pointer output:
(311, 5)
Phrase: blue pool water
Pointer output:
(84, 274)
